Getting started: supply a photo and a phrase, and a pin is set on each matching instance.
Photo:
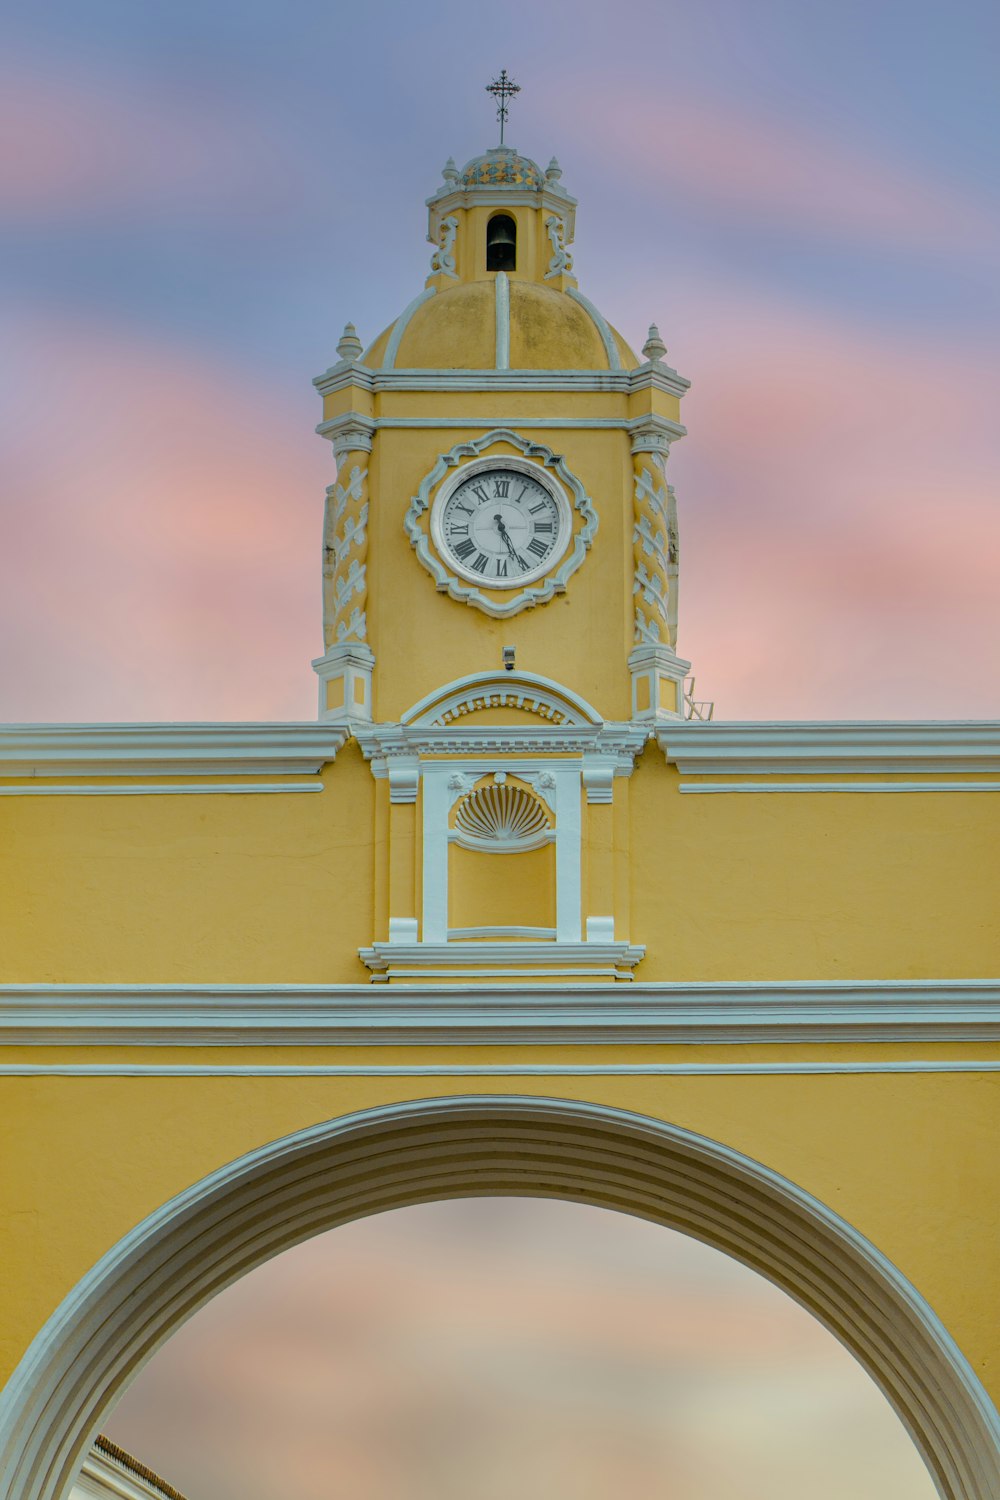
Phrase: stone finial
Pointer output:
(654, 347)
(350, 345)
(449, 171)
(553, 171)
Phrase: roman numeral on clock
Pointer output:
(465, 549)
(501, 489)
(545, 526)
(537, 547)
(501, 567)
(479, 566)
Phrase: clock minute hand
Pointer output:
(505, 537)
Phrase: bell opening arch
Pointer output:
(415, 1152)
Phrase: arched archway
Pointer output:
(383, 1158)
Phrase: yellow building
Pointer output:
(507, 918)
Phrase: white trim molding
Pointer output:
(524, 692)
(728, 748)
(601, 324)
(483, 960)
(281, 1193)
(168, 749)
(654, 377)
(466, 1012)
(400, 326)
(502, 295)
(382, 744)
(705, 788)
(158, 789)
(721, 1068)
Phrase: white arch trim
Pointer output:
(536, 694)
(291, 1189)
(400, 326)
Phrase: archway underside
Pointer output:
(412, 1153)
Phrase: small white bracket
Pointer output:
(402, 929)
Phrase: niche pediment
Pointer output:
(511, 698)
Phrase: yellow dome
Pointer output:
(457, 329)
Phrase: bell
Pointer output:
(501, 243)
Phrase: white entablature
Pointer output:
(565, 758)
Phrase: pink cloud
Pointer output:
(837, 498)
(497, 1348)
(775, 171)
(162, 545)
(85, 145)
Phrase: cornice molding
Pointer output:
(168, 749)
(463, 1013)
(657, 377)
(718, 748)
(385, 742)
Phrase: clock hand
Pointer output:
(505, 537)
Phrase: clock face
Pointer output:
(501, 524)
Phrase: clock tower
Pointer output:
(500, 587)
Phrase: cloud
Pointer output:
(837, 498)
(500, 1347)
(772, 173)
(163, 531)
(99, 148)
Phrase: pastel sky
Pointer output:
(197, 195)
(512, 1347)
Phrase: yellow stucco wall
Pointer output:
(909, 1160)
(286, 888)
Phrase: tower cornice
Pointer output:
(649, 377)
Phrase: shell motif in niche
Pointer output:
(502, 819)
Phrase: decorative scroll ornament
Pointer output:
(654, 553)
(443, 258)
(561, 262)
(345, 553)
(502, 818)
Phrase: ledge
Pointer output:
(720, 748)
(475, 962)
(880, 1010)
(659, 377)
(168, 749)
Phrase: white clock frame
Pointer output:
(491, 465)
(541, 459)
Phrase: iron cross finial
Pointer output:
(502, 89)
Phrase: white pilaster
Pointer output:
(569, 830)
(435, 857)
